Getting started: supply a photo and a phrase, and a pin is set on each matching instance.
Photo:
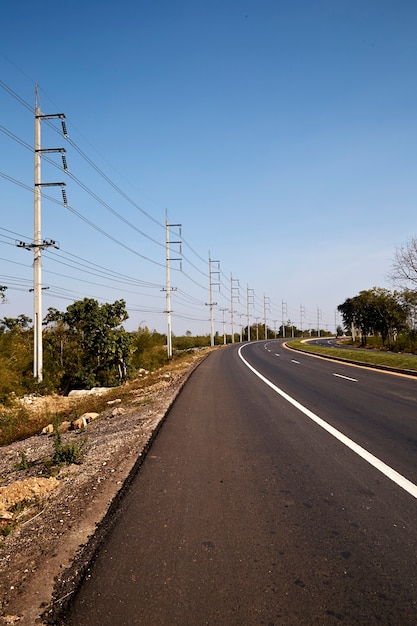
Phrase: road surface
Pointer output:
(281, 490)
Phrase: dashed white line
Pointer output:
(354, 380)
(294, 361)
(385, 469)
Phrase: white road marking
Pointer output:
(276, 354)
(294, 361)
(354, 380)
(385, 469)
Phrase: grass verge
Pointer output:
(374, 358)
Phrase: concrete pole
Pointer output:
(248, 312)
(224, 327)
(232, 311)
(37, 248)
(168, 294)
(211, 305)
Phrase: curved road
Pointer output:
(281, 490)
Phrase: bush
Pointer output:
(66, 454)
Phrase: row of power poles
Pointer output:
(39, 244)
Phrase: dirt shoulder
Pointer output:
(43, 558)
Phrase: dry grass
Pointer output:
(28, 416)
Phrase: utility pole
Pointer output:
(318, 321)
(212, 304)
(168, 287)
(284, 314)
(250, 297)
(40, 244)
(241, 327)
(232, 297)
(257, 328)
(266, 308)
(224, 327)
(302, 311)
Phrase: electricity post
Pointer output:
(241, 326)
(250, 299)
(257, 328)
(232, 297)
(40, 244)
(266, 309)
(212, 304)
(302, 311)
(168, 287)
(284, 316)
(224, 326)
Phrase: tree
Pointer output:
(21, 322)
(94, 348)
(374, 310)
(404, 265)
(408, 299)
(390, 314)
(16, 363)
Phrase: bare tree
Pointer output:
(404, 265)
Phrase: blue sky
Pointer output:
(281, 135)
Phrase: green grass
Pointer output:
(367, 357)
(69, 453)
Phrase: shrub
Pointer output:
(66, 454)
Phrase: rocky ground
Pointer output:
(57, 521)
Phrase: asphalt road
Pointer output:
(253, 509)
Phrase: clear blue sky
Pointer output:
(281, 135)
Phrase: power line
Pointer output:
(16, 96)
(112, 184)
(97, 270)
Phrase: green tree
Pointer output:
(390, 313)
(89, 344)
(374, 310)
(148, 349)
(16, 363)
(21, 322)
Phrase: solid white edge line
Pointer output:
(385, 469)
